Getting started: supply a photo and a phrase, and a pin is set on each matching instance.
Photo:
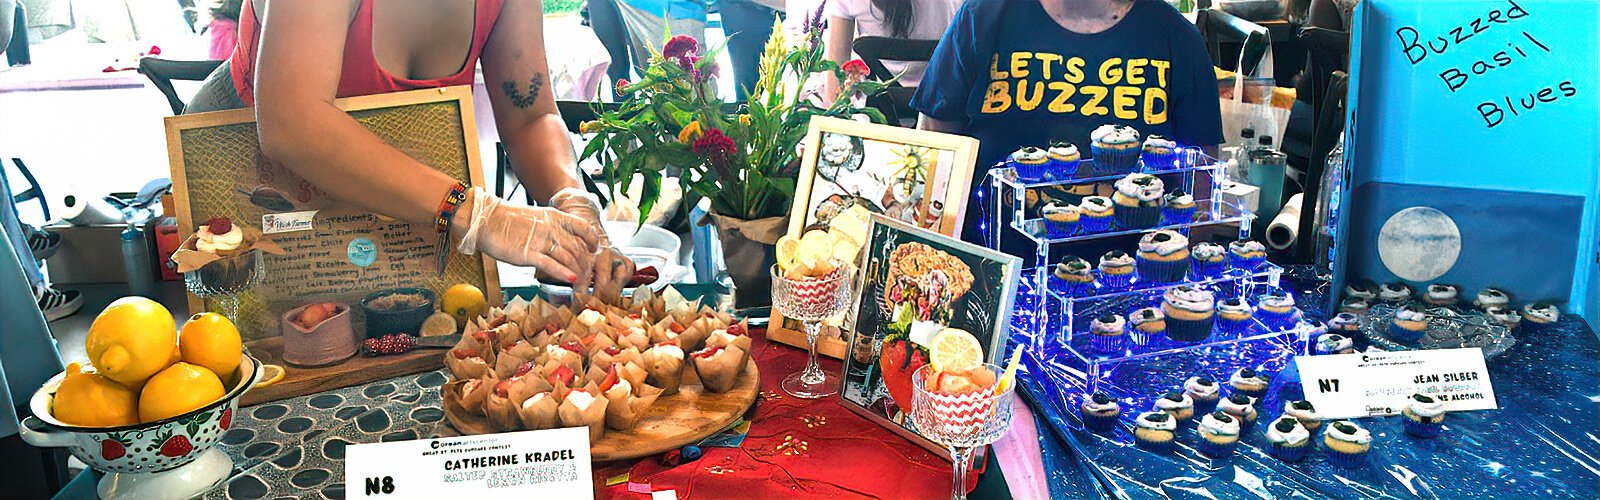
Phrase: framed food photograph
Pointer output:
(851, 170)
(914, 285)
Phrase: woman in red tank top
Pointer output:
(296, 56)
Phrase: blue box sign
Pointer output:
(1472, 148)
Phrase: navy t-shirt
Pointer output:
(1013, 77)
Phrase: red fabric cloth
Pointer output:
(849, 456)
(361, 74)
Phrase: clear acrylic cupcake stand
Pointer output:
(1059, 322)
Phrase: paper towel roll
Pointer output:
(84, 210)
(1285, 228)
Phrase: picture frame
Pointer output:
(913, 175)
(876, 382)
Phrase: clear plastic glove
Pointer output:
(557, 243)
(611, 269)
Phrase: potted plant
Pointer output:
(743, 158)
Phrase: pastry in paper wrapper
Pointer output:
(664, 364)
(525, 350)
(188, 259)
(498, 407)
(585, 408)
(538, 411)
(615, 355)
(665, 330)
(718, 367)
(506, 365)
(635, 337)
(471, 366)
(624, 407)
(527, 385)
(475, 391)
(564, 355)
(721, 338)
(596, 342)
(627, 371)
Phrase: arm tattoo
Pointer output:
(517, 98)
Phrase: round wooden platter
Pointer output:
(672, 422)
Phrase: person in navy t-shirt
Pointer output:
(1016, 73)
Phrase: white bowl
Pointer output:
(624, 236)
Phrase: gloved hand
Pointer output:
(557, 243)
(611, 269)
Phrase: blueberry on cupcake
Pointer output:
(1178, 208)
(1410, 323)
(1063, 161)
(1395, 293)
(1204, 392)
(1333, 343)
(1234, 316)
(1100, 412)
(1208, 260)
(1277, 310)
(1155, 431)
(1031, 163)
(1060, 220)
(1490, 297)
(1442, 295)
(1074, 276)
(1108, 334)
(1177, 404)
(1219, 434)
(1424, 416)
(1138, 201)
(1540, 316)
(1190, 311)
(1347, 443)
(1163, 257)
(1149, 325)
(1504, 316)
(1288, 440)
(1344, 323)
(1304, 412)
(1247, 255)
(1096, 214)
(1116, 270)
(1241, 407)
(1115, 149)
(1160, 154)
(1249, 382)
(1361, 289)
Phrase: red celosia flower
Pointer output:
(679, 46)
(856, 69)
(715, 147)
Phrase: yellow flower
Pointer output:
(744, 120)
(589, 127)
(690, 133)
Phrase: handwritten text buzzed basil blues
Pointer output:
(1518, 49)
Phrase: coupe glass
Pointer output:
(812, 300)
(960, 422)
(224, 279)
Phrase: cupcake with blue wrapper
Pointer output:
(1115, 148)
(1276, 309)
(1347, 443)
(1208, 260)
(1163, 257)
(1424, 416)
(1160, 154)
(1177, 404)
(1074, 276)
(1138, 201)
(1409, 325)
(1177, 208)
(1096, 212)
(1242, 407)
(1100, 412)
(1246, 255)
(1288, 440)
(1116, 270)
(1060, 220)
(1249, 382)
(1540, 316)
(1030, 163)
(1442, 295)
(1303, 411)
(1108, 334)
(1219, 434)
(1204, 392)
(1149, 325)
(1395, 293)
(1155, 431)
(1190, 311)
(1234, 316)
(1064, 161)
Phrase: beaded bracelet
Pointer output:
(447, 211)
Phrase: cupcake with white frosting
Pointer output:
(1333, 343)
(1347, 443)
(1249, 382)
(1178, 208)
(1424, 416)
(1116, 270)
(1138, 201)
(1395, 293)
(1247, 255)
(1064, 161)
(1096, 214)
(1160, 154)
(1149, 325)
(1504, 316)
(1361, 289)
(1100, 412)
(1163, 257)
(1355, 305)
(1155, 431)
(1060, 219)
(1242, 407)
(1219, 434)
(1304, 412)
(1208, 260)
(1344, 323)
(1409, 325)
(1108, 334)
(1490, 297)
(1277, 310)
(1440, 294)
(1190, 311)
(1288, 440)
(1177, 404)
(1074, 276)
(1204, 392)
(1115, 149)
(1030, 163)
(1235, 316)
(1540, 316)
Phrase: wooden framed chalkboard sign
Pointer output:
(345, 253)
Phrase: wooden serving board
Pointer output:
(357, 370)
(672, 422)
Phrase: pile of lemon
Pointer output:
(818, 251)
(145, 369)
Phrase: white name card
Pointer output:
(532, 464)
(1381, 383)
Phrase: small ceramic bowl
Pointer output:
(382, 322)
(331, 341)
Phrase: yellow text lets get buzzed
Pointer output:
(1128, 89)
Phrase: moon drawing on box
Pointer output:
(1419, 244)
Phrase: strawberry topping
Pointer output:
(503, 389)
(562, 374)
(523, 369)
(463, 353)
(736, 329)
(707, 352)
(219, 225)
(573, 346)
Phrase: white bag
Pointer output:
(1260, 115)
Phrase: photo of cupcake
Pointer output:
(1138, 201)
(1503, 316)
(1332, 343)
(1442, 295)
(1190, 312)
(1490, 297)
(1361, 289)
(1204, 392)
(1109, 334)
(1355, 306)
(1288, 440)
(1247, 255)
(1276, 309)
(1149, 325)
(1304, 412)
(1395, 293)
(1177, 208)
(1345, 323)
(1060, 220)
(1063, 161)
(1155, 431)
(1115, 149)
(1410, 323)
(1074, 276)
(1347, 443)
(1116, 270)
(1163, 257)
(1100, 412)
(1424, 416)
(1096, 212)
(1160, 154)
(1540, 316)
(1207, 261)
(1249, 382)
(1031, 163)
(1234, 316)
(1177, 404)
(1219, 434)
(1241, 407)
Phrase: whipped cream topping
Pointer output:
(1347, 431)
(1247, 377)
(1062, 150)
(668, 350)
(1189, 298)
(1115, 258)
(1410, 313)
(1287, 430)
(1301, 410)
(1333, 342)
(1146, 315)
(1541, 313)
(1108, 323)
(1158, 420)
(1394, 292)
(1179, 199)
(1247, 248)
(1503, 315)
(1236, 305)
(1144, 187)
(1114, 134)
(1207, 252)
(206, 241)
(535, 399)
(1174, 401)
(1073, 264)
(591, 317)
(1345, 321)
(1029, 153)
(1200, 387)
(1220, 423)
(1489, 297)
(1354, 304)
(1099, 402)
(1163, 242)
(1362, 290)
(1053, 211)
(580, 399)
(1096, 204)
(1239, 405)
(1426, 406)
(1438, 292)
(1156, 142)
